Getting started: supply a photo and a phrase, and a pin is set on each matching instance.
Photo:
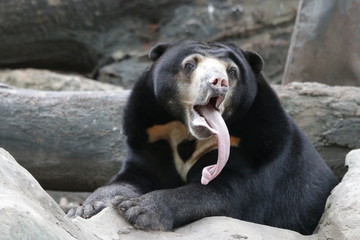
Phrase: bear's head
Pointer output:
(191, 78)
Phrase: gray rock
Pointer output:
(211, 228)
(84, 35)
(325, 44)
(330, 116)
(75, 35)
(125, 71)
(341, 220)
(264, 28)
(52, 81)
(28, 212)
(261, 26)
(68, 200)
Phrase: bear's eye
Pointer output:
(232, 72)
(189, 66)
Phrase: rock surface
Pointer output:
(330, 116)
(261, 26)
(75, 35)
(126, 70)
(68, 200)
(52, 81)
(86, 35)
(341, 220)
(325, 43)
(28, 212)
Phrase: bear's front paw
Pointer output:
(146, 213)
(87, 210)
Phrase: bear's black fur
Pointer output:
(274, 176)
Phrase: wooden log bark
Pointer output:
(67, 140)
(72, 140)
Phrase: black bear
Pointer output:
(207, 136)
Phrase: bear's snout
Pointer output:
(217, 83)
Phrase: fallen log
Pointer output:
(67, 140)
(72, 140)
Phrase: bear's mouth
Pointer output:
(213, 101)
(199, 125)
(205, 121)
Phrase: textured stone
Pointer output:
(211, 228)
(75, 35)
(28, 212)
(125, 71)
(325, 44)
(85, 35)
(330, 116)
(341, 220)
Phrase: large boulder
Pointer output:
(28, 212)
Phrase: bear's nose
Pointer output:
(218, 82)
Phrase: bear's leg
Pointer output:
(104, 197)
(166, 209)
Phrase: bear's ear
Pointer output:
(255, 60)
(157, 51)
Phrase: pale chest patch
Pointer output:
(185, 148)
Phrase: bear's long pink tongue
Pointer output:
(214, 119)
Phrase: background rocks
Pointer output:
(29, 213)
(330, 116)
(107, 39)
(75, 35)
(325, 44)
(125, 69)
(341, 220)
(262, 26)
